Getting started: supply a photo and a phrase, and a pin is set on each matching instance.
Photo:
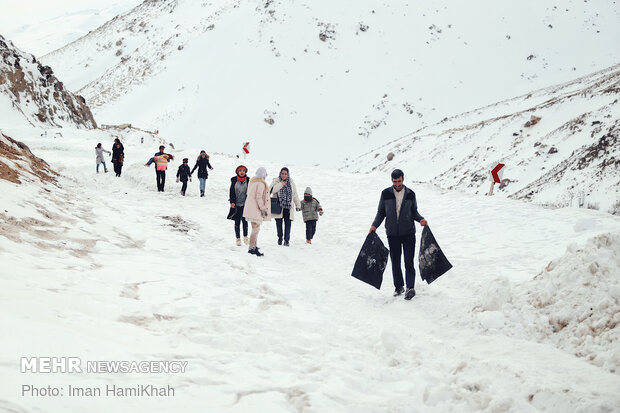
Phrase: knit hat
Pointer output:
(203, 151)
(241, 167)
(308, 191)
(261, 173)
(185, 160)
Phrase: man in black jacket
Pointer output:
(399, 208)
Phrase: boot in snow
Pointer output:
(279, 241)
(410, 293)
(202, 193)
(238, 242)
(246, 240)
(308, 241)
(257, 252)
(399, 291)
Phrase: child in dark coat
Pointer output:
(310, 209)
(183, 174)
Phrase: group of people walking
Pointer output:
(118, 156)
(255, 201)
(184, 174)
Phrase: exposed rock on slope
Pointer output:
(34, 91)
(570, 154)
(18, 163)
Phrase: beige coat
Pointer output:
(276, 185)
(257, 201)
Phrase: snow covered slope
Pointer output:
(42, 26)
(29, 89)
(335, 77)
(570, 156)
(106, 268)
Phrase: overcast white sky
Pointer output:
(40, 26)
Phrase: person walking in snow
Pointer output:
(183, 175)
(237, 196)
(399, 208)
(202, 163)
(161, 160)
(257, 207)
(118, 156)
(100, 157)
(310, 210)
(283, 188)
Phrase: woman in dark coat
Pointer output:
(238, 194)
(118, 156)
(202, 163)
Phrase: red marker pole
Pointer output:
(496, 174)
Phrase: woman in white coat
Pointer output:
(283, 188)
(257, 207)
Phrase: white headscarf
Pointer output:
(261, 173)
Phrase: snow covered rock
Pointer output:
(33, 90)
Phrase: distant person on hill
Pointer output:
(310, 210)
(399, 208)
(257, 207)
(118, 156)
(161, 160)
(100, 159)
(237, 196)
(283, 188)
(202, 163)
(183, 175)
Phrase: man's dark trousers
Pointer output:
(397, 244)
(161, 180)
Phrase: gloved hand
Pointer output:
(177, 179)
(190, 179)
(264, 213)
(321, 212)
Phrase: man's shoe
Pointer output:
(286, 244)
(398, 291)
(279, 241)
(238, 242)
(410, 293)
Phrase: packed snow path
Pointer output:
(116, 271)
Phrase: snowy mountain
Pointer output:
(559, 145)
(42, 26)
(106, 269)
(336, 78)
(31, 90)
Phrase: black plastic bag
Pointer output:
(371, 261)
(232, 213)
(433, 262)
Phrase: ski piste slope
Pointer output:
(42, 26)
(215, 71)
(572, 153)
(106, 268)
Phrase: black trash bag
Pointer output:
(433, 263)
(232, 213)
(371, 261)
